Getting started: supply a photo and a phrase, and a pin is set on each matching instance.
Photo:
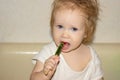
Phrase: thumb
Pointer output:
(57, 59)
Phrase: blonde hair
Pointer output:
(89, 7)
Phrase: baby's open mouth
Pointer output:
(66, 45)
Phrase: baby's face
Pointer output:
(69, 28)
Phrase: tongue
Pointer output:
(66, 46)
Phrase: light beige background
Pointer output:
(28, 21)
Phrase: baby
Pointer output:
(73, 23)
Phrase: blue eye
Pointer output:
(74, 29)
(60, 26)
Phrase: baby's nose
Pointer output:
(65, 34)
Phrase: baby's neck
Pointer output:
(78, 60)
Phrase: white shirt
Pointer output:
(92, 71)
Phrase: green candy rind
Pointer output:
(59, 49)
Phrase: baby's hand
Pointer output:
(50, 65)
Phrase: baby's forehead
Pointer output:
(80, 12)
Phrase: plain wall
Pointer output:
(28, 21)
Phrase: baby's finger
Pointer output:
(46, 71)
(49, 66)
